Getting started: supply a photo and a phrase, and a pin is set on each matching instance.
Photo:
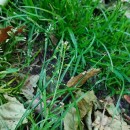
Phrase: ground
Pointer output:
(65, 65)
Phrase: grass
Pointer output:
(95, 36)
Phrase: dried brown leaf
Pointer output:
(4, 32)
(53, 39)
(103, 122)
(10, 113)
(127, 98)
(86, 103)
(80, 79)
(112, 122)
(29, 86)
(85, 106)
(71, 120)
(109, 106)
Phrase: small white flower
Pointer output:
(65, 44)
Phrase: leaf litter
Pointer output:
(11, 113)
(89, 106)
(29, 85)
(4, 32)
(94, 114)
(80, 79)
(127, 98)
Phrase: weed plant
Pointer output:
(97, 37)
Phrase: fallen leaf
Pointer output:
(71, 120)
(80, 79)
(29, 85)
(11, 113)
(110, 107)
(103, 122)
(112, 122)
(4, 32)
(53, 38)
(85, 106)
(127, 98)
(94, 114)
(86, 103)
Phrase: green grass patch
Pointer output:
(88, 35)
